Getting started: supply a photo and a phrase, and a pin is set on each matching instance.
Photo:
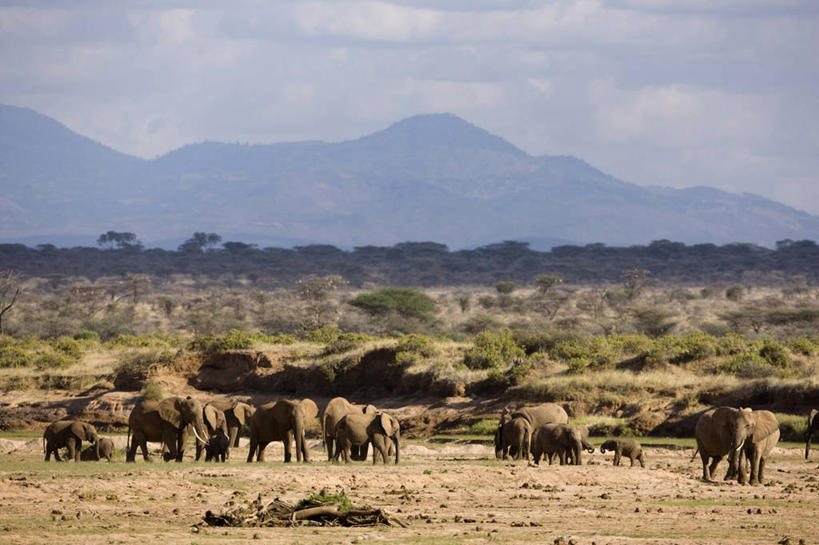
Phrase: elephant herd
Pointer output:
(745, 436)
(347, 430)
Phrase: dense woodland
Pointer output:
(422, 264)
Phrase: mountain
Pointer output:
(428, 177)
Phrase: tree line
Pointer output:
(423, 263)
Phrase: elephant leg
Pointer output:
(73, 449)
(252, 451)
(617, 457)
(328, 444)
(288, 455)
(760, 479)
(715, 460)
(379, 449)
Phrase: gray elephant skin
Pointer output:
(546, 413)
(380, 429)
(719, 432)
(336, 409)
(565, 441)
(165, 422)
(281, 421)
(513, 439)
(758, 447)
(214, 419)
(237, 414)
(103, 449)
(629, 448)
(813, 427)
(216, 448)
(70, 434)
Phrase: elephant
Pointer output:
(813, 427)
(336, 409)
(216, 448)
(380, 429)
(628, 447)
(720, 431)
(281, 421)
(103, 449)
(71, 434)
(164, 421)
(758, 446)
(563, 440)
(214, 419)
(237, 414)
(547, 413)
(513, 439)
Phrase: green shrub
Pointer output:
(696, 346)
(735, 292)
(87, 335)
(237, 340)
(323, 335)
(792, 427)
(630, 344)
(731, 344)
(480, 322)
(776, 354)
(578, 364)
(68, 346)
(506, 287)
(53, 360)
(417, 344)
(491, 350)
(802, 345)
(346, 342)
(406, 302)
(153, 392)
(134, 365)
(747, 365)
(15, 356)
(140, 341)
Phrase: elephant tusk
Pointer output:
(197, 435)
(741, 445)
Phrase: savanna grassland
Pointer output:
(637, 357)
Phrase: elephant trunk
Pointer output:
(578, 450)
(809, 432)
(97, 447)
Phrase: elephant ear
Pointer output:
(211, 416)
(169, 412)
(80, 429)
(766, 424)
(387, 424)
(309, 408)
(240, 412)
(369, 409)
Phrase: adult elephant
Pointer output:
(164, 421)
(565, 441)
(722, 431)
(215, 420)
(513, 439)
(70, 434)
(380, 429)
(237, 414)
(547, 413)
(813, 427)
(336, 409)
(758, 446)
(281, 421)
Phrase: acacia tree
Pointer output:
(9, 292)
(315, 291)
(119, 240)
(200, 242)
(545, 282)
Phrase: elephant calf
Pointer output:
(624, 447)
(106, 450)
(513, 438)
(380, 429)
(216, 448)
(563, 440)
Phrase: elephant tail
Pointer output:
(695, 454)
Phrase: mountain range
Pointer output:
(428, 177)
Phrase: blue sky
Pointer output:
(683, 93)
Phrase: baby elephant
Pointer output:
(217, 446)
(624, 447)
(106, 451)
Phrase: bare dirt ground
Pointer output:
(446, 493)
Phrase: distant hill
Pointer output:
(428, 177)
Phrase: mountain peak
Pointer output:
(437, 130)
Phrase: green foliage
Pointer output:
(322, 498)
(491, 350)
(707, 292)
(87, 335)
(236, 339)
(13, 355)
(53, 360)
(803, 345)
(544, 282)
(68, 346)
(480, 322)
(747, 365)
(506, 287)
(323, 335)
(143, 341)
(776, 354)
(483, 427)
(653, 321)
(406, 302)
(135, 364)
(735, 292)
(417, 344)
(346, 342)
(153, 392)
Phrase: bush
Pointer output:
(747, 365)
(346, 342)
(480, 322)
(124, 340)
(735, 292)
(776, 354)
(417, 344)
(483, 427)
(54, 360)
(406, 302)
(68, 346)
(506, 287)
(15, 356)
(87, 335)
(134, 366)
(323, 335)
(235, 339)
(153, 392)
(803, 345)
(492, 350)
